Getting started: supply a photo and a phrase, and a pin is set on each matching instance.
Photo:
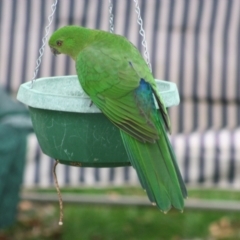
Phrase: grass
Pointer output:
(100, 223)
(96, 222)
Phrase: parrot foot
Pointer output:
(91, 103)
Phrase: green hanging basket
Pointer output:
(72, 131)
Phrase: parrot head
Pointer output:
(66, 40)
(58, 41)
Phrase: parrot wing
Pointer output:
(112, 85)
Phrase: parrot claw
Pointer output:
(91, 103)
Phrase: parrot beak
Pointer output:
(55, 51)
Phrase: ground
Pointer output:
(101, 222)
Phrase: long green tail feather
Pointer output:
(173, 156)
(157, 170)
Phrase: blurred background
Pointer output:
(194, 43)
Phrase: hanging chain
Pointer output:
(44, 40)
(111, 29)
(111, 25)
(142, 33)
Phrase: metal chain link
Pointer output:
(142, 33)
(111, 25)
(44, 40)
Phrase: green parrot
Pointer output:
(113, 73)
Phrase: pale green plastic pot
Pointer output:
(72, 131)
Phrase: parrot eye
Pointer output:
(59, 43)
